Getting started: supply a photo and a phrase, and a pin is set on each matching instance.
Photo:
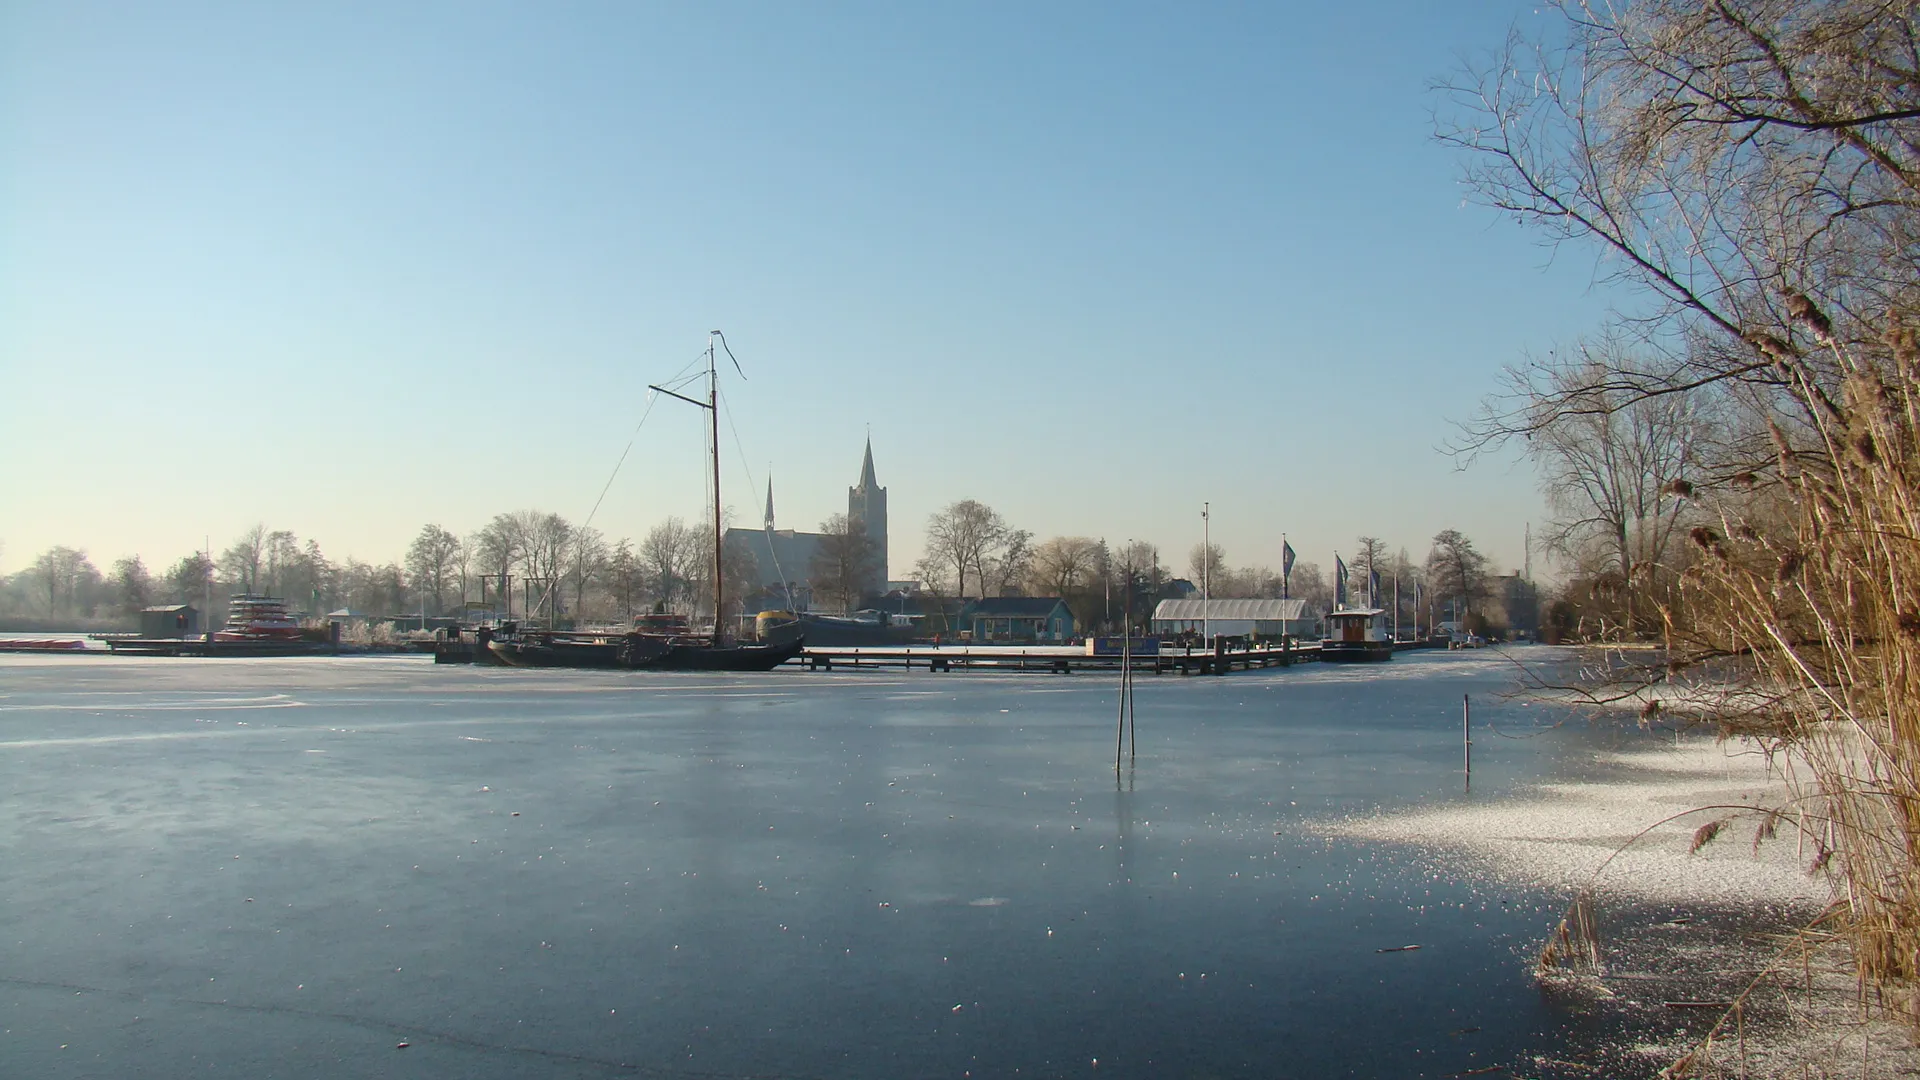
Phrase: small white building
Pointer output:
(1237, 618)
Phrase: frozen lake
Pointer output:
(251, 868)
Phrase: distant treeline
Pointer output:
(552, 566)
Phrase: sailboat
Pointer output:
(656, 651)
(719, 654)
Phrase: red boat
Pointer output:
(42, 645)
(258, 618)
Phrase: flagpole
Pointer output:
(1206, 574)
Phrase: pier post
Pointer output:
(1466, 736)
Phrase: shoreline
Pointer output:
(1699, 906)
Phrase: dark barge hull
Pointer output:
(217, 647)
(632, 652)
(1355, 652)
(558, 651)
(728, 657)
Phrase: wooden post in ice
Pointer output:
(1466, 736)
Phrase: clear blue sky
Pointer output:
(350, 268)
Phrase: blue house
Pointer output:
(1019, 619)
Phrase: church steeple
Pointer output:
(769, 523)
(867, 506)
(867, 480)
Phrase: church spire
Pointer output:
(867, 481)
(769, 501)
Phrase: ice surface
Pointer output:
(287, 866)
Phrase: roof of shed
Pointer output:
(1255, 610)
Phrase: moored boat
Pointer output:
(732, 656)
(1356, 635)
(518, 647)
(716, 653)
(258, 619)
(658, 642)
(43, 645)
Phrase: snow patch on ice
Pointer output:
(1630, 836)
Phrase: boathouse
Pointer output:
(1237, 618)
(1024, 619)
(170, 621)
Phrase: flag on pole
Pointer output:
(1339, 582)
(1373, 588)
(1286, 558)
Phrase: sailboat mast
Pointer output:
(713, 416)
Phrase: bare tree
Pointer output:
(430, 562)
(281, 555)
(843, 564)
(371, 589)
(625, 579)
(187, 580)
(1606, 458)
(1009, 563)
(1207, 567)
(60, 572)
(964, 535)
(934, 575)
(737, 563)
(312, 576)
(1457, 570)
(1310, 585)
(132, 585)
(1063, 565)
(462, 567)
(587, 560)
(1370, 553)
(497, 547)
(544, 541)
(1753, 167)
(669, 557)
(1140, 576)
(241, 560)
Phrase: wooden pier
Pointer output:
(1059, 660)
(200, 646)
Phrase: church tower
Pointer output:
(867, 505)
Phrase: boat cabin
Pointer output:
(1356, 634)
(1357, 625)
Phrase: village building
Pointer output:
(1035, 619)
(783, 558)
(170, 621)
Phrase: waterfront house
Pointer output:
(1024, 619)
